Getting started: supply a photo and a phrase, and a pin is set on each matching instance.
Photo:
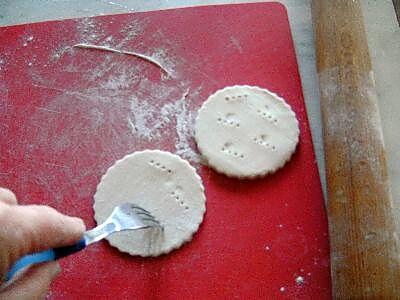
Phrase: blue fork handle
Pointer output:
(45, 256)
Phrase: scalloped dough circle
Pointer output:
(162, 183)
(246, 131)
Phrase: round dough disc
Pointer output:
(246, 132)
(163, 184)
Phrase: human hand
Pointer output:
(27, 229)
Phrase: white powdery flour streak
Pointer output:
(117, 90)
(184, 127)
(89, 30)
(185, 130)
(148, 120)
(143, 120)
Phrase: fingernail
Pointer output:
(7, 196)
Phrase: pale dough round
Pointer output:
(246, 131)
(162, 183)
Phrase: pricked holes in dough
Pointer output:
(236, 97)
(266, 114)
(177, 195)
(228, 149)
(263, 141)
(230, 119)
(159, 166)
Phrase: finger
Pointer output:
(6, 196)
(34, 284)
(34, 228)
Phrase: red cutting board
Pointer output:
(67, 114)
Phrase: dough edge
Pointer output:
(202, 211)
(209, 160)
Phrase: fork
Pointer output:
(126, 216)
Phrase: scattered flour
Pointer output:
(235, 42)
(122, 78)
(140, 110)
(165, 59)
(185, 130)
(129, 32)
(2, 63)
(26, 40)
(90, 31)
(149, 121)
(59, 52)
(299, 280)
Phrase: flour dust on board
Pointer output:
(126, 102)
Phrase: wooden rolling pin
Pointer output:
(364, 243)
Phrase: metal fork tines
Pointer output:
(145, 217)
(126, 216)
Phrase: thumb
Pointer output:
(7, 196)
(34, 283)
(33, 228)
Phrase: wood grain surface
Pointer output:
(396, 4)
(364, 244)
